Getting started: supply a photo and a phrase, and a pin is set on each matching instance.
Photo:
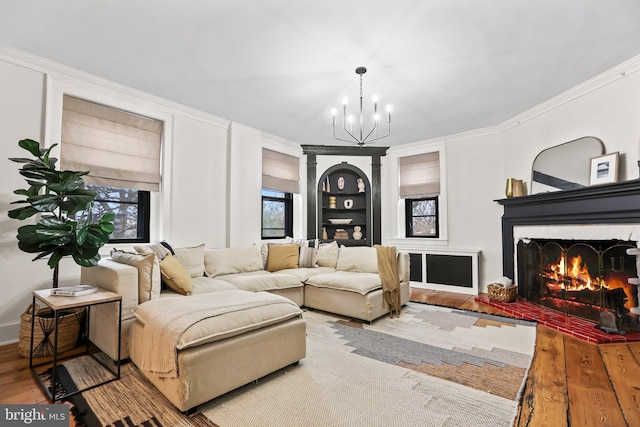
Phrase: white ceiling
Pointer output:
(445, 66)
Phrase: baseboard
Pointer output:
(9, 333)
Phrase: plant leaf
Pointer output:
(22, 213)
(30, 145)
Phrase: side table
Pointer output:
(58, 304)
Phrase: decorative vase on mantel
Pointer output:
(509, 190)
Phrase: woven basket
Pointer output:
(500, 293)
(43, 333)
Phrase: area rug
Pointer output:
(432, 366)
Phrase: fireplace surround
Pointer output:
(564, 223)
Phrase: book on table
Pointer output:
(74, 291)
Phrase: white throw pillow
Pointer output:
(328, 255)
(149, 281)
(192, 259)
(359, 259)
(218, 262)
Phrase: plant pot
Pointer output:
(69, 322)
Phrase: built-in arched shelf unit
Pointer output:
(344, 206)
(314, 189)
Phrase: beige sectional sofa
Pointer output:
(342, 280)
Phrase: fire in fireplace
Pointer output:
(580, 278)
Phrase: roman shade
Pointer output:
(280, 172)
(420, 175)
(120, 149)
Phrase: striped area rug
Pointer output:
(432, 366)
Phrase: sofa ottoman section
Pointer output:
(211, 344)
(355, 295)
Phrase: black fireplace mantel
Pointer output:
(602, 204)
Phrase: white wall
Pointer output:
(479, 162)
(21, 116)
(198, 184)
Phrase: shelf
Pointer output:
(342, 194)
(353, 224)
(345, 209)
(350, 242)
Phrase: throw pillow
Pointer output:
(282, 257)
(192, 259)
(155, 248)
(358, 259)
(264, 250)
(313, 243)
(175, 275)
(308, 257)
(328, 254)
(148, 272)
(218, 262)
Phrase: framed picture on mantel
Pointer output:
(604, 169)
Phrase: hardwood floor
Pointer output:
(571, 382)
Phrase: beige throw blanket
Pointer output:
(388, 271)
(166, 320)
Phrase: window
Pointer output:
(420, 187)
(280, 180)
(422, 217)
(277, 214)
(131, 207)
(121, 151)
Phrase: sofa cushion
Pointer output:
(304, 273)
(328, 255)
(201, 285)
(148, 272)
(192, 259)
(175, 275)
(261, 281)
(358, 259)
(282, 256)
(204, 285)
(361, 283)
(218, 262)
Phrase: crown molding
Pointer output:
(73, 76)
(606, 78)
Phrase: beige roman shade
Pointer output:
(119, 149)
(280, 172)
(420, 175)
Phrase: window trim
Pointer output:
(288, 214)
(409, 217)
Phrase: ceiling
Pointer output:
(445, 66)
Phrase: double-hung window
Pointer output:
(121, 151)
(280, 180)
(420, 188)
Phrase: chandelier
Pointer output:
(360, 137)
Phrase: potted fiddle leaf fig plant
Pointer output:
(65, 227)
(58, 196)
